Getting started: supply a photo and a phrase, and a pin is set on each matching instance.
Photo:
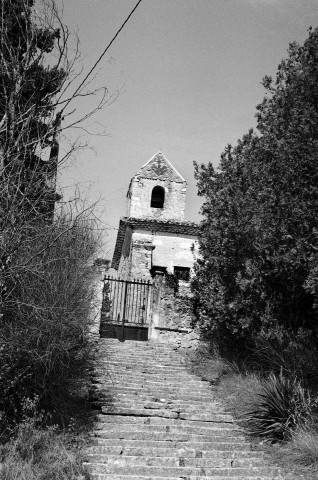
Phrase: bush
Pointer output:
(40, 454)
(294, 355)
(44, 349)
(281, 406)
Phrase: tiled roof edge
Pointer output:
(170, 226)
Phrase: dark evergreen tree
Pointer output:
(259, 237)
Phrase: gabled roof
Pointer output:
(159, 168)
(154, 226)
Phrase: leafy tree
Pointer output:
(258, 272)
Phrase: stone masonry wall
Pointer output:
(173, 315)
(141, 256)
(164, 250)
(140, 198)
(125, 260)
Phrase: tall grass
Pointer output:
(35, 453)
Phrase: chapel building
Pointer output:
(154, 236)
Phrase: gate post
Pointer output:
(157, 290)
(122, 339)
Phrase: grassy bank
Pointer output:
(279, 415)
(35, 453)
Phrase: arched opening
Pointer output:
(157, 197)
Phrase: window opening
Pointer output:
(157, 197)
(156, 268)
(182, 273)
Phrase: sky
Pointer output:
(184, 78)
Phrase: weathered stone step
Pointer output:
(144, 412)
(160, 422)
(134, 400)
(182, 451)
(221, 421)
(190, 386)
(168, 436)
(141, 376)
(191, 477)
(156, 391)
(152, 360)
(182, 472)
(129, 393)
(183, 389)
(146, 396)
(226, 446)
(182, 461)
(160, 370)
(188, 429)
(169, 404)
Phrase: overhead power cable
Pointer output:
(102, 55)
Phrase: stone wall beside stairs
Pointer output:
(173, 319)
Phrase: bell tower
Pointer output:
(157, 191)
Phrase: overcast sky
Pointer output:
(189, 74)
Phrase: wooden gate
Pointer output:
(126, 309)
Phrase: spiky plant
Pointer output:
(281, 405)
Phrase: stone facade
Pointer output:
(154, 242)
(165, 250)
(145, 244)
(157, 172)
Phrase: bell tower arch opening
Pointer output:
(157, 197)
(157, 191)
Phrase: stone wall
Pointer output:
(125, 260)
(173, 319)
(140, 198)
(161, 250)
(141, 255)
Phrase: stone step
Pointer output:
(146, 365)
(181, 472)
(140, 412)
(180, 436)
(221, 421)
(167, 404)
(169, 428)
(157, 392)
(225, 446)
(181, 461)
(141, 376)
(156, 385)
(130, 393)
(144, 412)
(182, 451)
(159, 421)
(191, 477)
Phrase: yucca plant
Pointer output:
(280, 406)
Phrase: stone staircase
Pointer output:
(157, 421)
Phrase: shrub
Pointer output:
(44, 349)
(294, 355)
(281, 405)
